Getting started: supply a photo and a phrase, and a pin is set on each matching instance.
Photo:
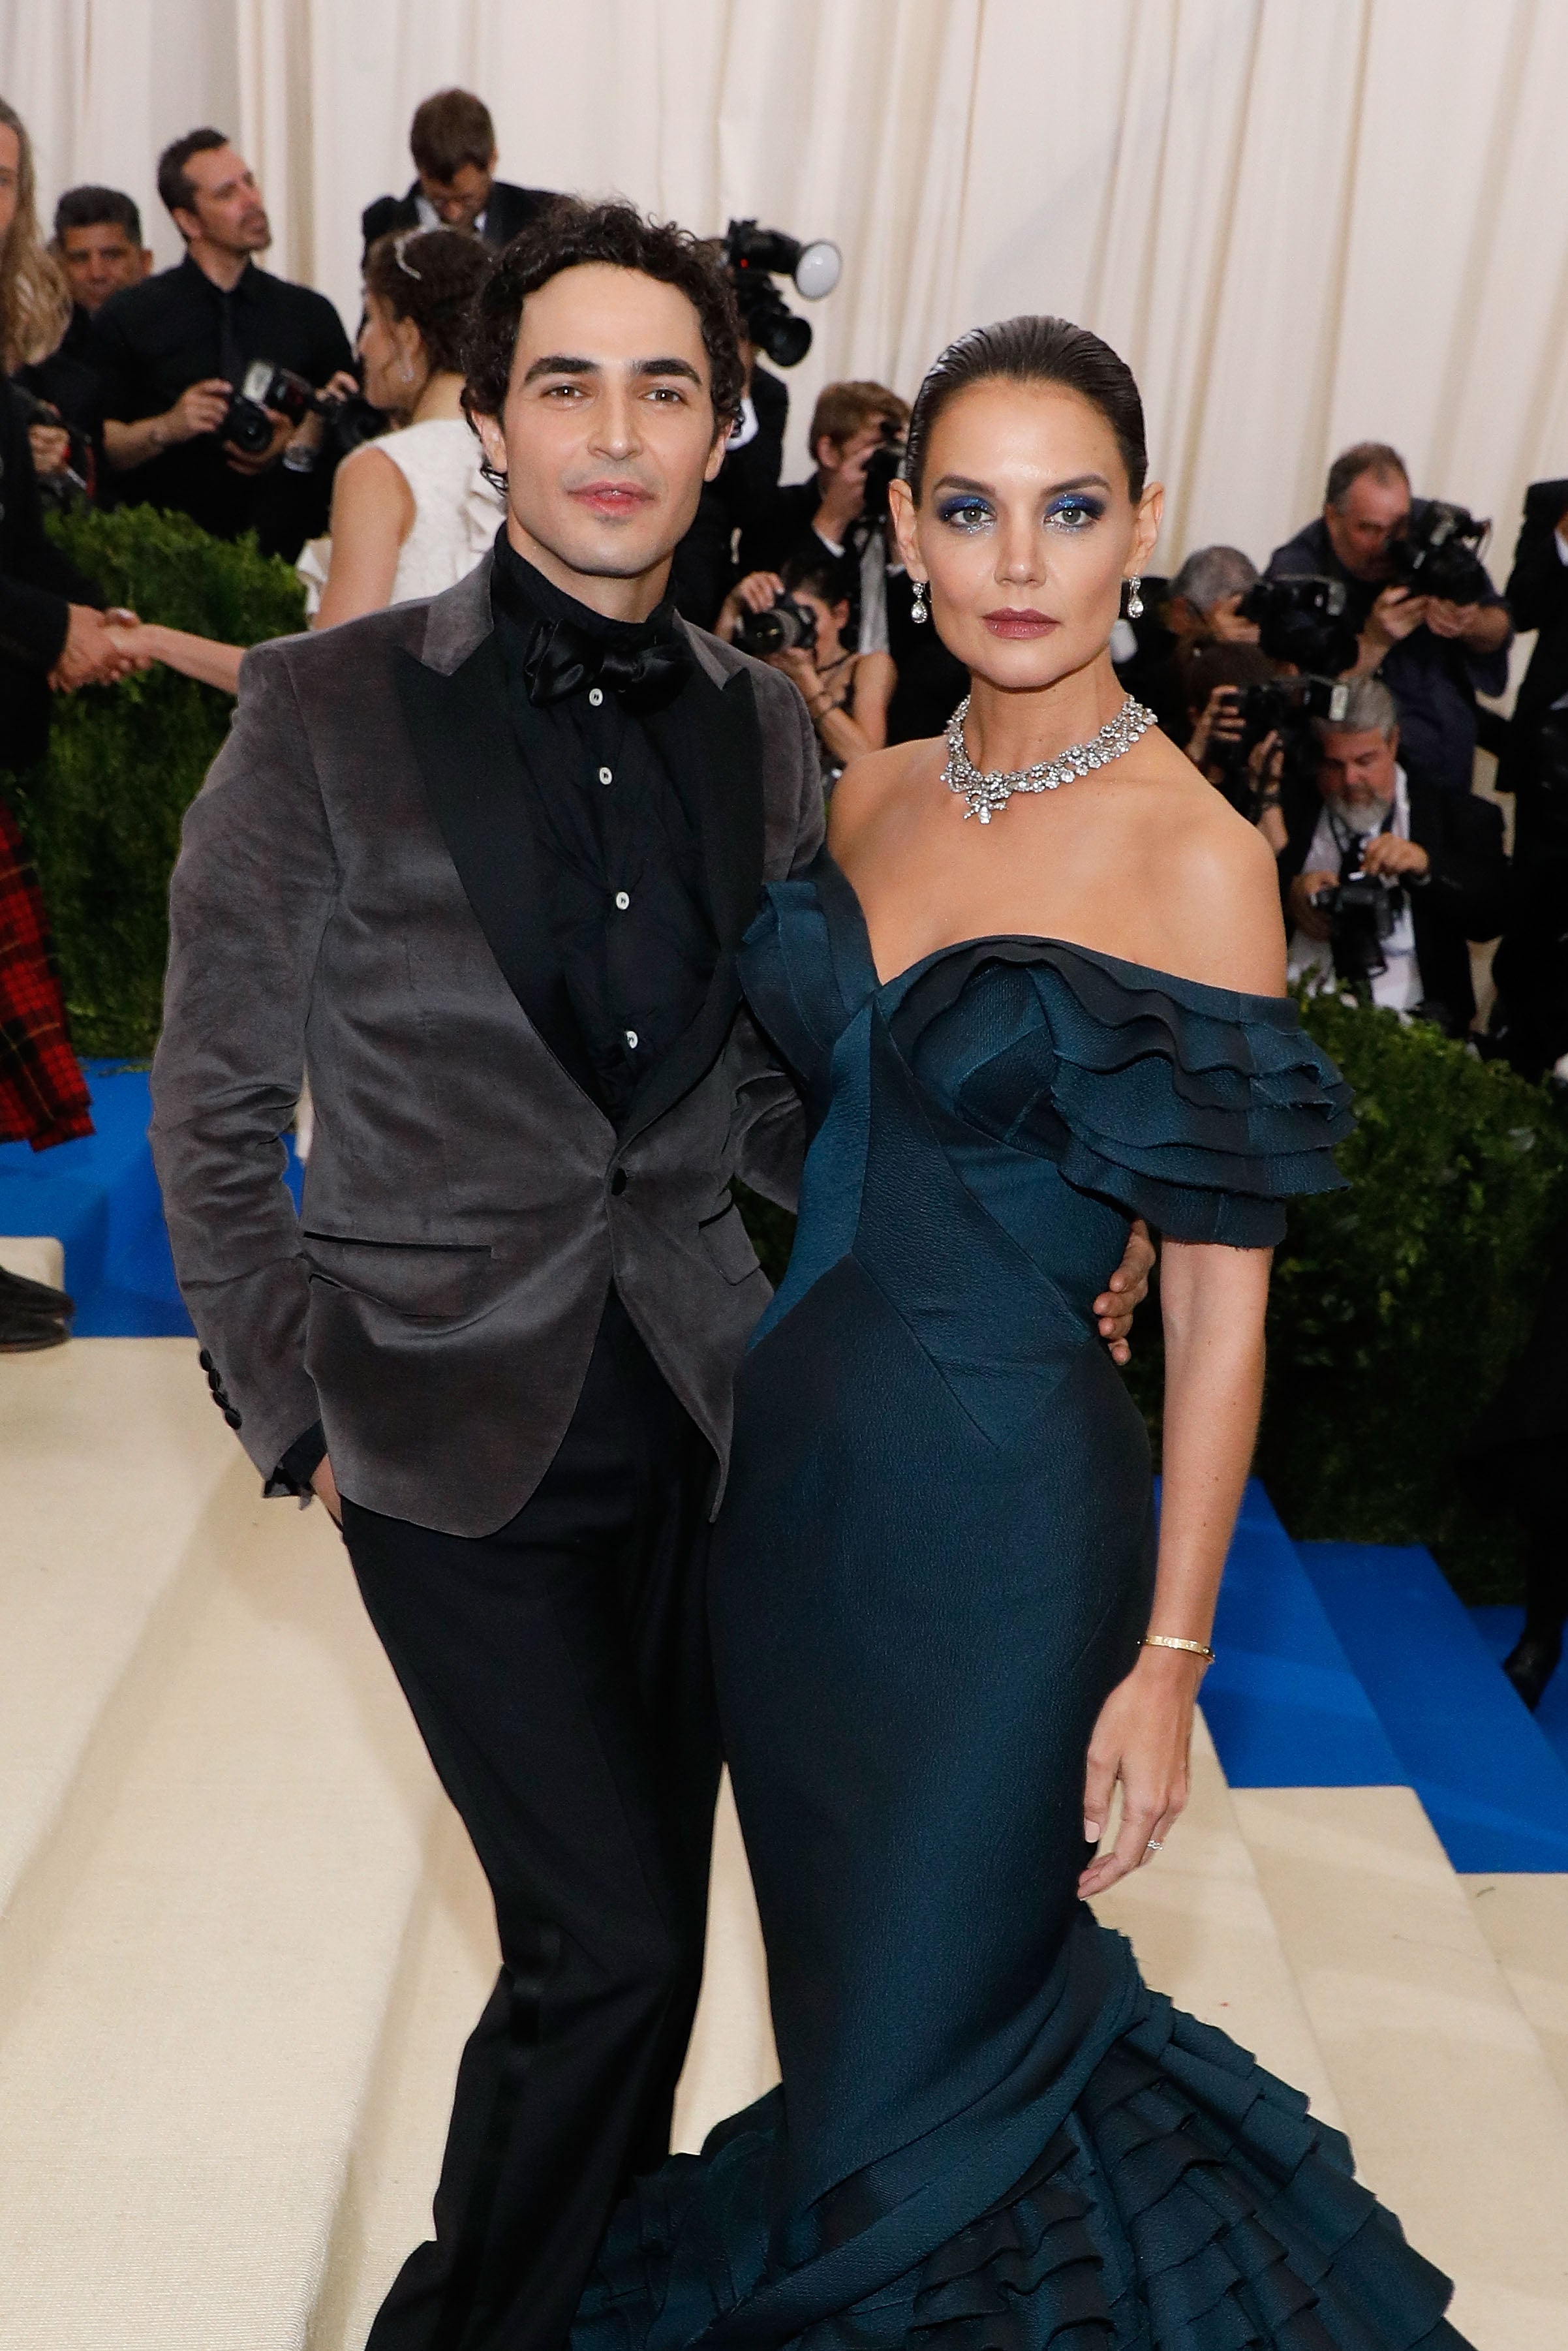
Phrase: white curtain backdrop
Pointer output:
(1303, 222)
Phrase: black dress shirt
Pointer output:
(619, 844)
(1433, 679)
(151, 341)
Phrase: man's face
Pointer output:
(844, 465)
(98, 260)
(1375, 512)
(1355, 775)
(609, 433)
(228, 212)
(459, 201)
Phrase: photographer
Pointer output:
(1529, 1018)
(98, 248)
(453, 142)
(801, 615)
(1434, 653)
(819, 517)
(174, 353)
(1198, 608)
(1426, 865)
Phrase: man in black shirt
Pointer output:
(1434, 656)
(172, 352)
(453, 142)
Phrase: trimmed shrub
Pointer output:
(103, 814)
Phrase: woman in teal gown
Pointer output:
(945, 1622)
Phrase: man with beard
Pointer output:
(173, 351)
(1438, 854)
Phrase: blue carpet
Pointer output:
(1499, 1628)
(1493, 1788)
(99, 1197)
(1283, 1703)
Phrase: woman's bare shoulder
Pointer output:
(1215, 883)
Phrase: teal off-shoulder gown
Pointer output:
(934, 1561)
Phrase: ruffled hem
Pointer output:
(1198, 1108)
(1189, 2202)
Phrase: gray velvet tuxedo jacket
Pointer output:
(358, 893)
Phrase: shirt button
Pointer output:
(623, 899)
(632, 1038)
(596, 695)
(605, 777)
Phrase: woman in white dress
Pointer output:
(411, 512)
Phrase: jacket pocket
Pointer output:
(729, 1246)
(415, 1277)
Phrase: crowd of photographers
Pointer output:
(1332, 696)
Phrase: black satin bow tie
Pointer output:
(564, 659)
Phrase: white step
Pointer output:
(36, 1259)
(1202, 1931)
(186, 2065)
(111, 1455)
(1458, 2121)
(1525, 1919)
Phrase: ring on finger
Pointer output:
(1155, 1844)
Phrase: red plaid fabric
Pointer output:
(43, 1096)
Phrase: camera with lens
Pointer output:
(1302, 622)
(1439, 554)
(247, 427)
(882, 471)
(1361, 911)
(784, 626)
(756, 257)
(1283, 707)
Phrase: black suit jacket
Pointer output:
(508, 210)
(358, 889)
(1538, 598)
(1466, 897)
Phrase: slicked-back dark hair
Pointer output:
(571, 233)
(98, 208)
(175, 184)
(1034, 350)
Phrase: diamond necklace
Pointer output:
(987, 792)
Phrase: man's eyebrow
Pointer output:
(569, 363)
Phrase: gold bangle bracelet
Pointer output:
(1169, 1641)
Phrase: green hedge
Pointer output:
(103, 815)
(1397, 1306)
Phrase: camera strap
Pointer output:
(1351, 846)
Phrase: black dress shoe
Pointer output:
(1531, 1664)
(17, 1291)
(24, 1329)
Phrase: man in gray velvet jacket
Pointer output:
(482, 865)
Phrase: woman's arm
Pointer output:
(1213, 1300)
(203, 658)
(372, 513)
(860, 726)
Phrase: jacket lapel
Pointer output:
(474, 778)
(711, 734)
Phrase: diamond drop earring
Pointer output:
(917, 611)
(1135, 598)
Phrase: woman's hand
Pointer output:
(1143, 1738)
(757, 593)
(800, 668)
(1218, 725)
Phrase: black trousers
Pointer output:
(559, 1674)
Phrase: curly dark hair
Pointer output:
(572, 232)
(1033, 351)
(432, 276)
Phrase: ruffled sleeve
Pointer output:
(1198, 1108)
